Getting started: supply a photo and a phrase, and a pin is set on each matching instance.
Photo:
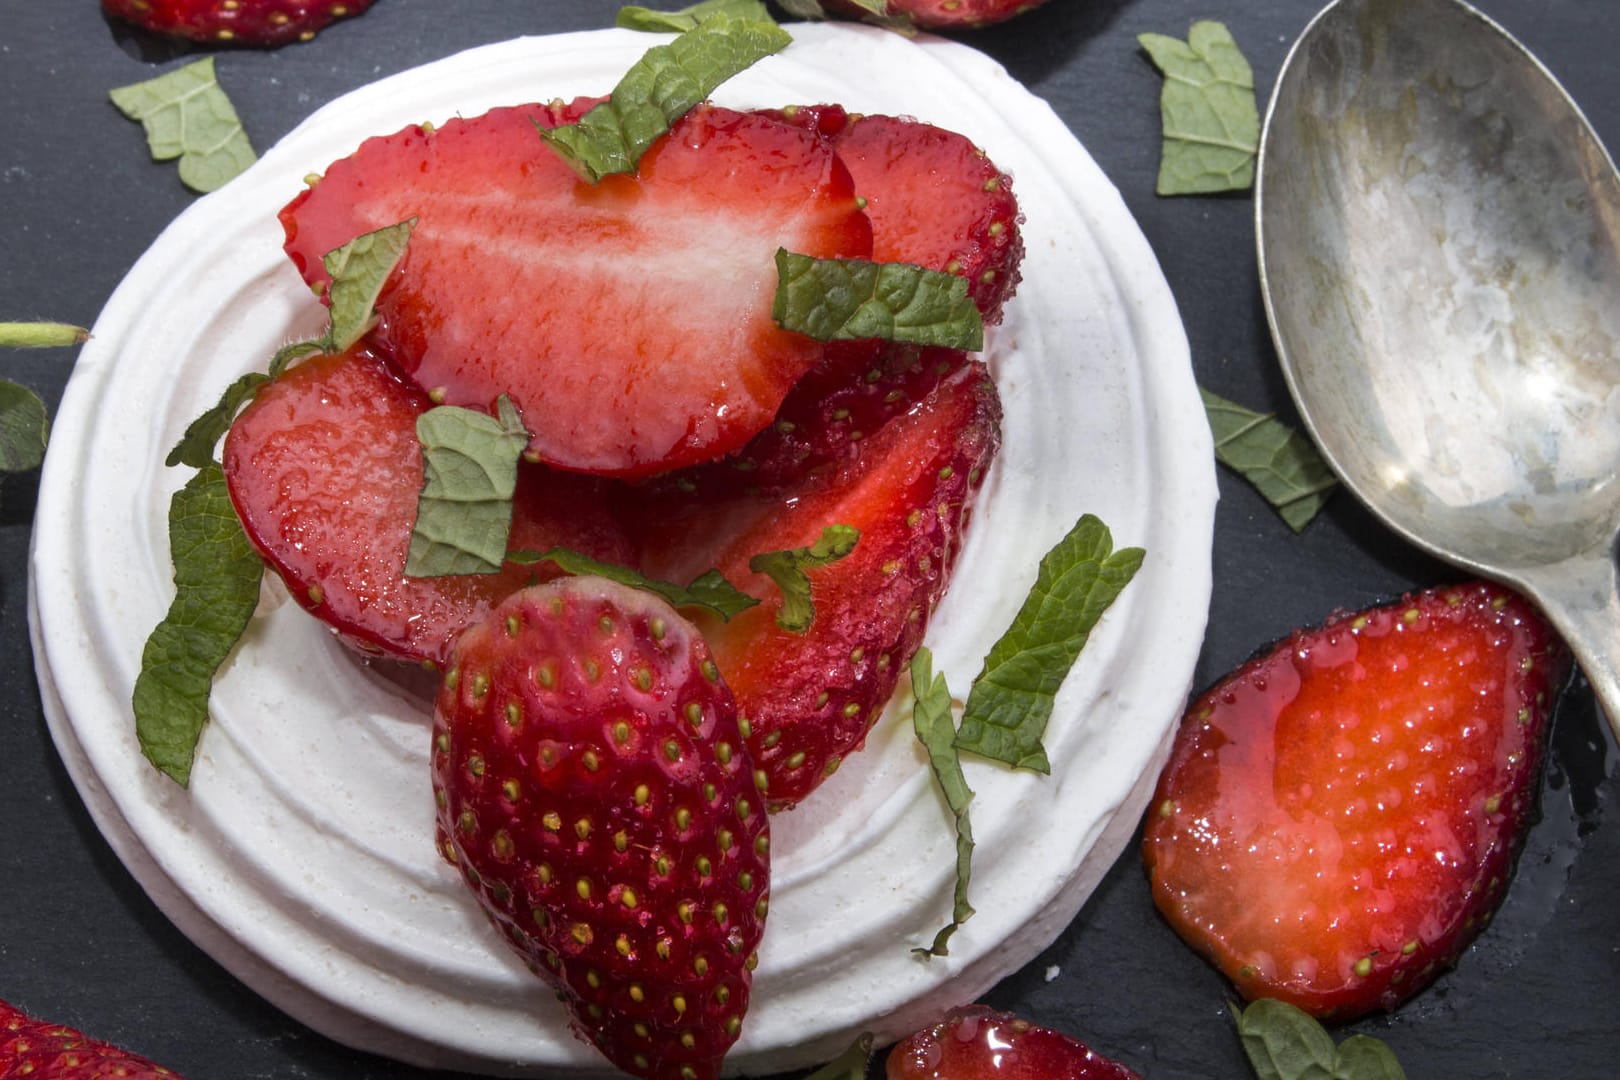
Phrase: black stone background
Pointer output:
(79, 202)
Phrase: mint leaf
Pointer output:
(464, 512)
(787, 569)
(936, 730)
(41, 335)
(216, 579)
(1282, 464)
(1207, 108)
(1285, 1043)
(358, 270)
(710, 590)
(849, 299)
(658, 90)
(1011, 698)
(850, 1065)
(24, 428)
(186, 115)
(635, 17)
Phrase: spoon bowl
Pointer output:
(1439, 244)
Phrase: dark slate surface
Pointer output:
(79, 201)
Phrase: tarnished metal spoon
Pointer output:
(1439, 240)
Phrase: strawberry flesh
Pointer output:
(594, 790)
(235, 22)
(933, 197)
(31, 1047)
(630, 321)
(941, 14)
(324, 469)
(1341, 815)
(908, 487)
(977, 1043)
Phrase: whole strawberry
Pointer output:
(235, 22)
(30, 1047)
(594, 790)
(978, 1043)
(1340, 816)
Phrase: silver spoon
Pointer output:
(1439, 240)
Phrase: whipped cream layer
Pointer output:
(302, 856)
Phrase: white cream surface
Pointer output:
(302, 856)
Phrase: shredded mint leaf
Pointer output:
(787, 569)
(464, 513)
(1011, 698)
(1281, 463)
(1211, 124)
(709, 590)
(216, 579)
(635, 17)
(936, 730)
(658, 90)
(1285, 1043)
(850, 299)
(24, 428)
(358, 269)
(41, 335)
(850, 1065)
(187, 116)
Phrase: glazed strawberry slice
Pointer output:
(1340, 816)
(908, 487)
(977, 1043)
(235, 22)
(31, 1047)
(934, 198)
(593, 787)
(324, 469)
(630, 321)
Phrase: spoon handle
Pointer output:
(1581, 596)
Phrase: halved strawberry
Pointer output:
(978, 1043)
(934, 198)
(808, 699)
(630, 321)
(941, 14)
(324, 469)
(235, 22)
(594, 790)
(1340, 816)
(31, 1047)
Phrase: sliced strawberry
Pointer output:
(1340, 816)
(629, 321)
(30, 1047)
(941, 14)
(908, 487)
(977, 1043)
(235, 22)
(324, 469)
(933, 197)
(593, 787)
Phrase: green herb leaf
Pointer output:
(850, 1065)
(187, 116)
(1211, 124)
(936, 730)
(1281, 463)
(659, 89)
(635, 17)
(464, 513)
(24, 428)
(216, 579)
(804, 9)
(787, 569)
(709, 590)
(1011, 698)
(41, 335)
(850, 299)
(1285, 1043)
(358, 269)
